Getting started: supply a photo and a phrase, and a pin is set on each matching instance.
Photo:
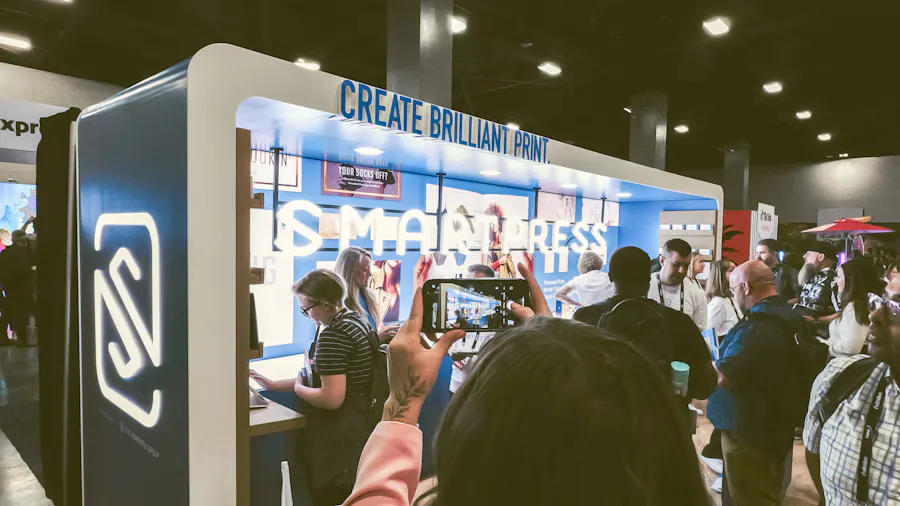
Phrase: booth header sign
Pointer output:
(367, 104)
(20, 123)
(765, 221)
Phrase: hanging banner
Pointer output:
(765, 221)
(347, 180)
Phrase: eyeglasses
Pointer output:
(305, 310)
(734, 289)
(893, 307)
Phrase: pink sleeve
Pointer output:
(389, 467)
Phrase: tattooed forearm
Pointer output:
(412, 388)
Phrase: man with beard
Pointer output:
(785, 276)
(669, 288)
(819, 297)
(854, 415)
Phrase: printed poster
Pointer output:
(348, 180)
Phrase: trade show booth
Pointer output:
(181, 221)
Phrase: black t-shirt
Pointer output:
(343, 347)
(687, 344)
(819, 295)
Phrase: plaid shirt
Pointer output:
(839, 441)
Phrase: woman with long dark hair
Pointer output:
(847, 333)
(556, 412)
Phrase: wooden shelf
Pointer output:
(258, 201)
(274, 419)
(258, 353)
(257, 275)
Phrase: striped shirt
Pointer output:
(343, 347)
(838, 441)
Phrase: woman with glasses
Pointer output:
(337, 395)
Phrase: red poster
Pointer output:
(736, 236)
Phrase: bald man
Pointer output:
(755, 364)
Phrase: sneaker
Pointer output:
(717, 465)
(717, 485)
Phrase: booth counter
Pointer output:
(180, 222)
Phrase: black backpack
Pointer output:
(809, 358)
(641, 322)
(380, 390)
(848, 381)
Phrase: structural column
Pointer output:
(736, 178)
(647, 140)
(420, 49)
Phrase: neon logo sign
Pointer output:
(531, 235)
(131, 362)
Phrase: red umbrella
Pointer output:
(845, 226)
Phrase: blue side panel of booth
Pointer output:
(133, 289)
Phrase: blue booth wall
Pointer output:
(413, 196)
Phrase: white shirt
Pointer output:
(694, 299)
(592, 287)
(723, 314)
(846, 337)
(473, 342)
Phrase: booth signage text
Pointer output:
(532, 234)
(367, 104)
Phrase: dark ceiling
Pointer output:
(835, 58)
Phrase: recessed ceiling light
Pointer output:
(365, 150)
(717, 26)
(773, 87)
(308, 65)
(825, 137)
(551, 69)
(626, 110)
(15, 42)
(804, 114)
(568, 186)
(489, 172)
(623, 195)
(682, 129)
(843, 155)
(457, 24)
(512, 126)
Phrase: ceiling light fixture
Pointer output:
(568, 186)
(626, 110)
(843, 155)
(804, 114)
(551, 69)
(825, 137)
(623, 195)
(368, 151)
(682, 129)
(489, 172)
(717, 26)
(512, 126)
(308, 65)
(458, 24)
(15, 42)
(773, 87)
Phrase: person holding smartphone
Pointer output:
(337, 396)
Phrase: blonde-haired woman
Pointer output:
(338, 394)
(354, 266)
(696, 267)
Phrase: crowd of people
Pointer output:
(18, 297)
(558, 411)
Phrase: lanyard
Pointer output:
(868, 438)
(736, 314)
(662, 299)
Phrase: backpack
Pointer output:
(641, 322)
(380, 390)
(847, 382)
(809, 359)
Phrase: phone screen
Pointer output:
(472, 304)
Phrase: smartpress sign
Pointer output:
(20, 123)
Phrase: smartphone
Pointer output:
(474, 305)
